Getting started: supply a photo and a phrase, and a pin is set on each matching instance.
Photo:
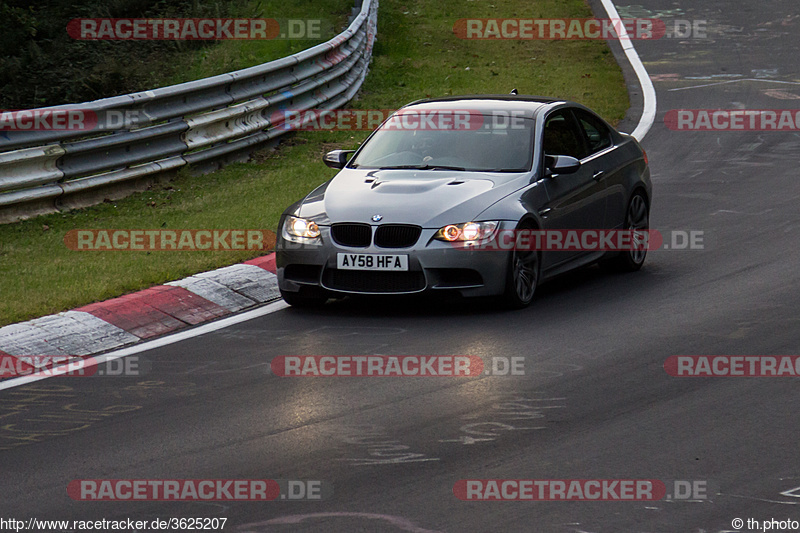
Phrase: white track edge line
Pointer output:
(648, 91)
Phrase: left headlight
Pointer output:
(300, 229)
(467, 232)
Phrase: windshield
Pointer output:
(485, 144)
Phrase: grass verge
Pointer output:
(416, 55)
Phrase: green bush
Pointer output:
(42, 65)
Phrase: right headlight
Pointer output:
(302, 230)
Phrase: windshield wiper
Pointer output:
(423, 167)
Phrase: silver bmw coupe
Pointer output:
(437, 197)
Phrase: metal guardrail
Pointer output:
(153, 131)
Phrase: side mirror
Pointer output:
(561, 164)
(337, 158)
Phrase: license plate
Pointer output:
(371, 262)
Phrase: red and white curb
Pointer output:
(142, 315)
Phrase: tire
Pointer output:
(522, 277)
(637, 217)
(304, 298)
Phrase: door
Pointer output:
(575, 201)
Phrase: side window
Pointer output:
(562, 137)
(597, 134)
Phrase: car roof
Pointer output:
(489, 103)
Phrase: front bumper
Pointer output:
(433, 265)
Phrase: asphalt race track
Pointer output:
(595, 401)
